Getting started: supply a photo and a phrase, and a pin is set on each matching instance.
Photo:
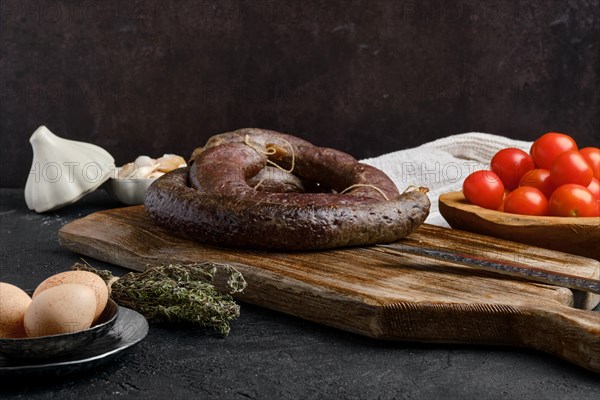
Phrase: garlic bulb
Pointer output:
(63, 170)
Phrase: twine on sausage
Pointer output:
(365, 185)
(413, 188)
(269, 150)
(259, 183)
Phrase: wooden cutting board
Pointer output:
(364, 290)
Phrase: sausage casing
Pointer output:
(211, 201)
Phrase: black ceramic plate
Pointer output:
(129, 328)
(53, 346)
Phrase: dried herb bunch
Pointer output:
(177, 294)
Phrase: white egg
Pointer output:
(65, 308)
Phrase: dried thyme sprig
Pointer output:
(180, 294)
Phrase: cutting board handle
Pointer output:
(569, 333)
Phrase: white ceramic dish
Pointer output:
(128, 191)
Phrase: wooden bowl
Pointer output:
(579, 235)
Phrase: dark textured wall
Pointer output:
(368, 77)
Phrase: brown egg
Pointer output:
(13, 304)
(80, 277)
(65, 308)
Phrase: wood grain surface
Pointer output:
(573, 235)
(369, 292)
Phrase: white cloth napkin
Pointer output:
(443, 165)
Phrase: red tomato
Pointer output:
(526, 200)
(540, 179)
(594, 187)
(571, 167)
(484, 189)
(501, 206)
(510, 165)
(592, 156)
(573, 200)
(545, 149)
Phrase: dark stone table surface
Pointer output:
(268, 355)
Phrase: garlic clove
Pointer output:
(170, 162)
(63, 171)
(144, 172)
(156, 174)
(145, 161)
(134, 171)
(126, 171)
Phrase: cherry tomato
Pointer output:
(501, 206)
(545, 149)
(484, 189)
(540, 179)
(573, 200)
(594, 187)
(526, 200)
(571, 167)
(510, 165)
(592, 156)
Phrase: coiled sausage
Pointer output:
(211, 201)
